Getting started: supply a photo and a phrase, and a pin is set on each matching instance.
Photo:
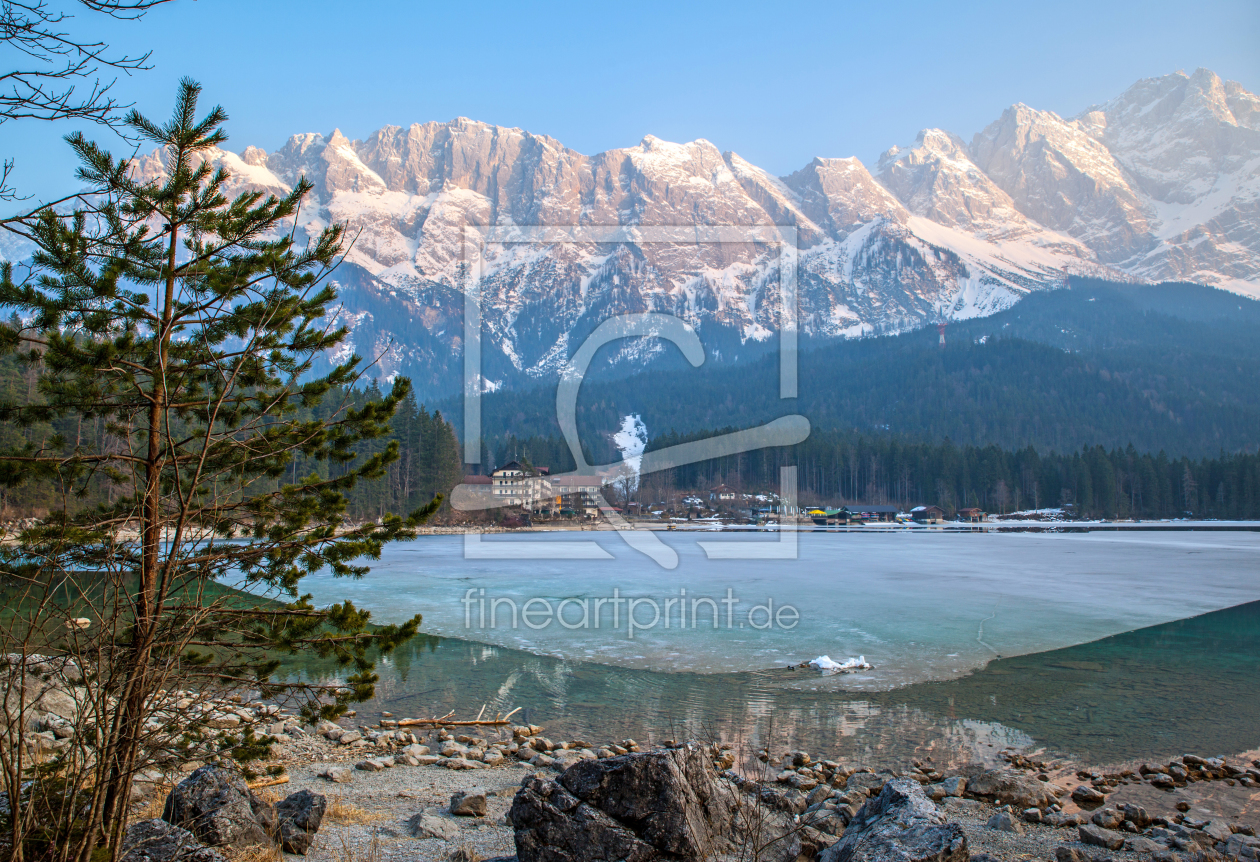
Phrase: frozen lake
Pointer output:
(917, 605)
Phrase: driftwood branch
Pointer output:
(446, 721)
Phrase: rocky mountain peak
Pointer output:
(1189, 150)
(1177, 133)
(1162, 182)
(255, 157)
(1243, 105)
(679, 162)
(935, 178)
(842, 195)
(1055, 173)
(295, 157)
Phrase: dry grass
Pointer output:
(256, 854)
(268, 794)
(342, 813)
(465, 854)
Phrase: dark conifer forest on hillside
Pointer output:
(1121, 400)
(428, 463)
(1172, 367)
(1118, 400)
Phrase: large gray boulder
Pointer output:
(158, 841)
(428, 824)
(661, 805)
(1011, 788)
(1241, 846)
(42, 694)
(469, 803)
(1088, 797)
(216, 806)
(899, 825)
(1096, 835)
(300, 815)
(868, 782)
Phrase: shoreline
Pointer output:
(1108, 700)
(397, 785)
(802, 526)
(392, 795)
(1011, 526)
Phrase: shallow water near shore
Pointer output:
(1190, 685)
(1101, 661)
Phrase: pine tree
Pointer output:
(185, 324)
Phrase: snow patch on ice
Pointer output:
(828, 665)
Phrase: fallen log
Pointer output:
(447, 721)
(273, 781)
(441, 722)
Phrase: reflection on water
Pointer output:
(1190, 685)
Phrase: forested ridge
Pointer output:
(837, 467)
(1116, 400)
(428, 462)
(1160, 367)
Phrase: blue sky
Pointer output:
(777, 83)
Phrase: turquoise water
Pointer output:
(919, 606)
(1102, 647)
(1191, 685)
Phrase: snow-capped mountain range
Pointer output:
(1161, 183)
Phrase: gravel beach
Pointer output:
(392, 797)
(373, 814)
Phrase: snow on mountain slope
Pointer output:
(867, 265)
(1058, 175)
(1162, 182)
(1191, 143)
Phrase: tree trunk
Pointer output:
(136, 675)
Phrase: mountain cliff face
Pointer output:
(1160, 183)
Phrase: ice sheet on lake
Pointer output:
(917, 605)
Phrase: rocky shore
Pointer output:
(429, 788)
(395, 792)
